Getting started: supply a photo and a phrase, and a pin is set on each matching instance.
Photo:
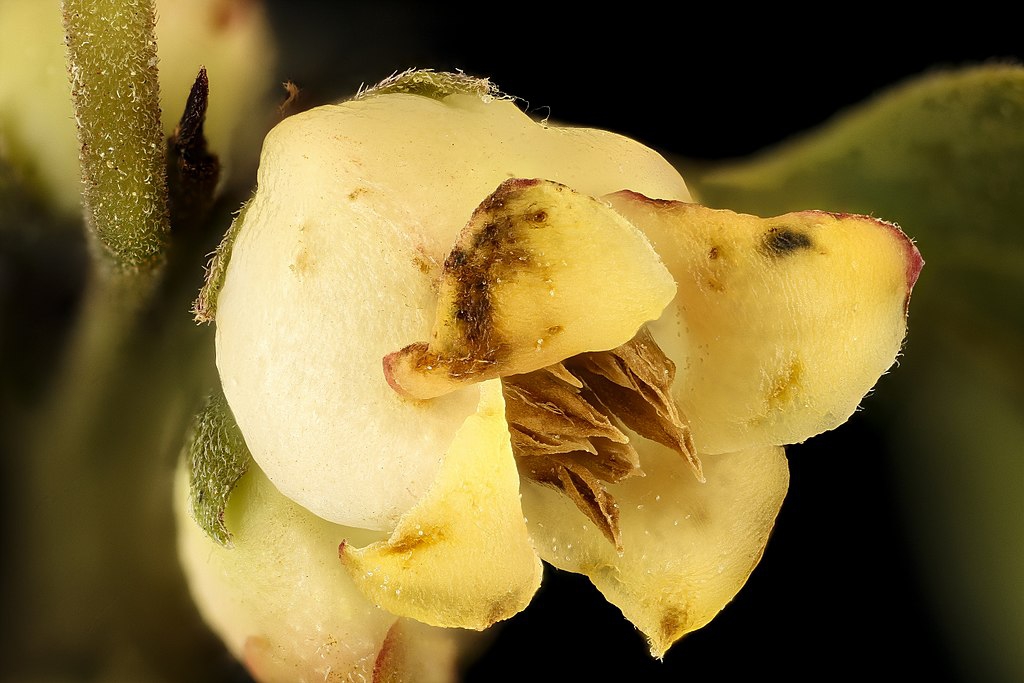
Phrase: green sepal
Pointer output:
(205, 307)
(436, 85)
(217, 459)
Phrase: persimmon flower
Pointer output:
(458, 342)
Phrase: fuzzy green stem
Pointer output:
(112, 62)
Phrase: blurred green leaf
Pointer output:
(960, 440)
(943, 156)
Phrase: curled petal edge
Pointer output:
(462, 556)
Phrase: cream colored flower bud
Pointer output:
(231, 38)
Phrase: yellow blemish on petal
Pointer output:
(785, 387)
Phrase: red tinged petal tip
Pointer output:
(913, 257)
(388, 664)
(914, 260)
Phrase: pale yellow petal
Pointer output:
(462, 556)
(279, 598)
(687, 547)
(540, 273)
(780, 325)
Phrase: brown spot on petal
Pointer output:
(782, 241)
(302, 261)
(698, 514)
(258, 657)
(714, 273)
(500, 609)
(492, 255)
(422, 264)
(527, 284)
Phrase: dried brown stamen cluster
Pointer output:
(567, 420)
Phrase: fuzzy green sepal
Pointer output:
(217, 459)
(205, 307)
(436, 85)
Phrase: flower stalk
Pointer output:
(112, 62)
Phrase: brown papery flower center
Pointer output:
(567, 420)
